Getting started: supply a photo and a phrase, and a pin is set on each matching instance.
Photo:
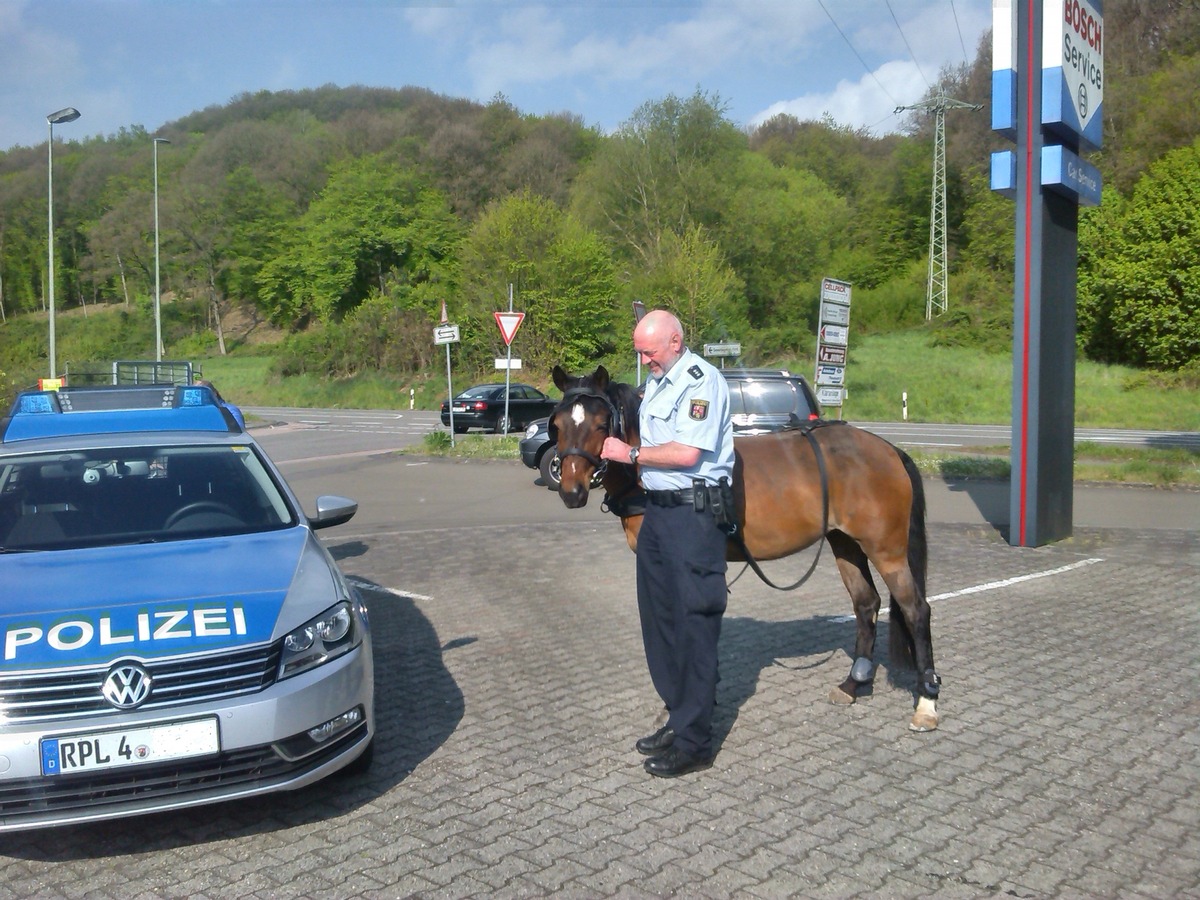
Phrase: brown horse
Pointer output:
(791, 488)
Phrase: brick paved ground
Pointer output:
(512, 687)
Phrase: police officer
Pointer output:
(686, 446)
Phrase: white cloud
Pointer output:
(861, 104)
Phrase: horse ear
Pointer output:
(561, 378)
(600, 378)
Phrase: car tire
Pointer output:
(461, 429)
(503, 425)
(545, 467)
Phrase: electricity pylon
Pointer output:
(936, 293)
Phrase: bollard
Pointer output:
(904, 405)
(412, 398)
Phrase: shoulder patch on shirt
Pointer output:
(696, 372)
(698, 410)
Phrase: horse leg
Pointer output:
(852, 564)
(915, 609)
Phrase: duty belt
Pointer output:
(680, 497)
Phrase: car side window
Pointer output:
(737, 403)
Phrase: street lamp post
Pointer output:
(70, 114)
(158, 344)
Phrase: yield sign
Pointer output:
(509, 322)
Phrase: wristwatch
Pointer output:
(633, 455)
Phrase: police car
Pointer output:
(173, 632)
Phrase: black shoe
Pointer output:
(675, 762)
(656, 743)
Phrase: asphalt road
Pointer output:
(511, 687)
(349, 447)
(398, 428)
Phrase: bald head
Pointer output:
(658, 340)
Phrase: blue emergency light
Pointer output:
(119, 409)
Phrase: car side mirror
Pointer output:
(333, 510)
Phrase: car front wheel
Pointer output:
(550, 472)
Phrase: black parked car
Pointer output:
(482, 406)
(762, 400)
(769, 400)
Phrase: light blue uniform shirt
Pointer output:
(689, 404)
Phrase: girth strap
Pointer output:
(753, 563)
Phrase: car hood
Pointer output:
(88, 606)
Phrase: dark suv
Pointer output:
(762, 400)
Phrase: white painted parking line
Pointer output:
(1017, 579)
(994, 585)
(380, 589)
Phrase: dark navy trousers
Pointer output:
(681, 598)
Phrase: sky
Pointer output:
(126, 63)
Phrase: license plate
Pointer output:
(96, 750)
(460, 407)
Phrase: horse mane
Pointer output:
(628, 400)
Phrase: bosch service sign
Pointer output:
(1073, 69)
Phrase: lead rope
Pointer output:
(752, 563)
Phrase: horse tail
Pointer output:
(918, 548)
(900, 639)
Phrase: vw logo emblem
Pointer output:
(127, 686)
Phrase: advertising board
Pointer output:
(834, 334)
(830, 396)
(831, 375)
(835, 356)
(835, 314)
(834, 291)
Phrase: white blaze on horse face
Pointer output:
(577, 414)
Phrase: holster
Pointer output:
(719, 499)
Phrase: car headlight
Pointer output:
(531, 430)
(319, 640)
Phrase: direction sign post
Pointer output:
(728, 349)
(639, 312)
(447, 334)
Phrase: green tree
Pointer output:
(663, 172)
(1139, 271)
(373, 227)
(562, 276)
(778, 233)
(692, 279)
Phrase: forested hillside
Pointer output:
(347, 216)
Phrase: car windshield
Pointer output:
(135, 495)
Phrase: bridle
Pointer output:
(614, 425)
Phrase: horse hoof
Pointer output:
(844, 694)
(926, 716)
